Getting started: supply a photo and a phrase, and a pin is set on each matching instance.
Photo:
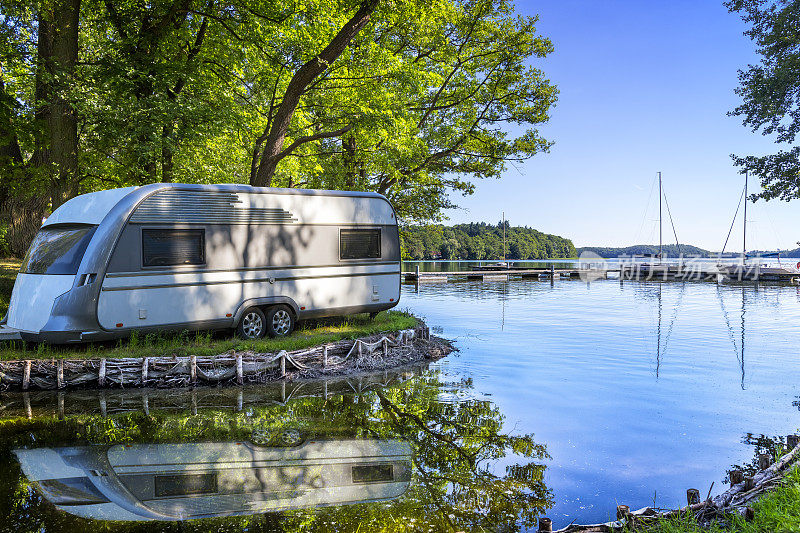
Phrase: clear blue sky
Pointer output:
(644, 86)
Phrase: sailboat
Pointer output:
(502, 265)
(756, 271)
(656, 270)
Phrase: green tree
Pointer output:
(770, 92)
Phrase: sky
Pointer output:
(645, 86)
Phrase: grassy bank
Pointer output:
(777, 511)
(309, 333)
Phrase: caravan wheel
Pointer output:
(253, 324)
(280, 321)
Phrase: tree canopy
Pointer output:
(770, 92)
(408, 98)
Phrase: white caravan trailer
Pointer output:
(182, 256)
(207, 479)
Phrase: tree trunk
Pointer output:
(273, 151)
(58, 27)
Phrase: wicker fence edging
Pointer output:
(376, 352)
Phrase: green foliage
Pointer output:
(769, 92)
(432, 95)
(481, 241)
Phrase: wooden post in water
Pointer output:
(145, 364)
(239, 369)
(623, 512)
(749, 483)
(60, 374)
(146, 403)
(26, 399)
(792, 441)
(101, 374)
(193, 368)
(692, 496)
(283, 364)
(736, 477)
(545, 525)
(26, 376)
(325, 356)
(764, 460)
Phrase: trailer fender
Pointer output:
(264, 302)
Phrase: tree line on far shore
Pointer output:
(482, 241)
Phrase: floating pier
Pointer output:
(627, 271)
(505, 275)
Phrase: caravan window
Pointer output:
(185, 484)
(57, 250)
(373, 473)
(360, 244)
(166, 247)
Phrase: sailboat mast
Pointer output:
(504, 236)
(744, 228)
(660, 225)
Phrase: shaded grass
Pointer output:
(777, 511)
(309, 333)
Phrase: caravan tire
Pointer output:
(280, 321)
(253, 324)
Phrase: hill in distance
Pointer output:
(670, 250)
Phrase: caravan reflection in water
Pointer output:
(200, 480)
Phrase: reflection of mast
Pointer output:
(659, 349)
(738, 350)
(741, 360)
(658, 334)
(503, 302)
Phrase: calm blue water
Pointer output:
(638, 390)
(565, 400)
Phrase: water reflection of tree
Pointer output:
(458, 447)
(774, 446)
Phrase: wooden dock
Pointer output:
(504, 275)
(625, 272)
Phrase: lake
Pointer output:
(565, 400)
